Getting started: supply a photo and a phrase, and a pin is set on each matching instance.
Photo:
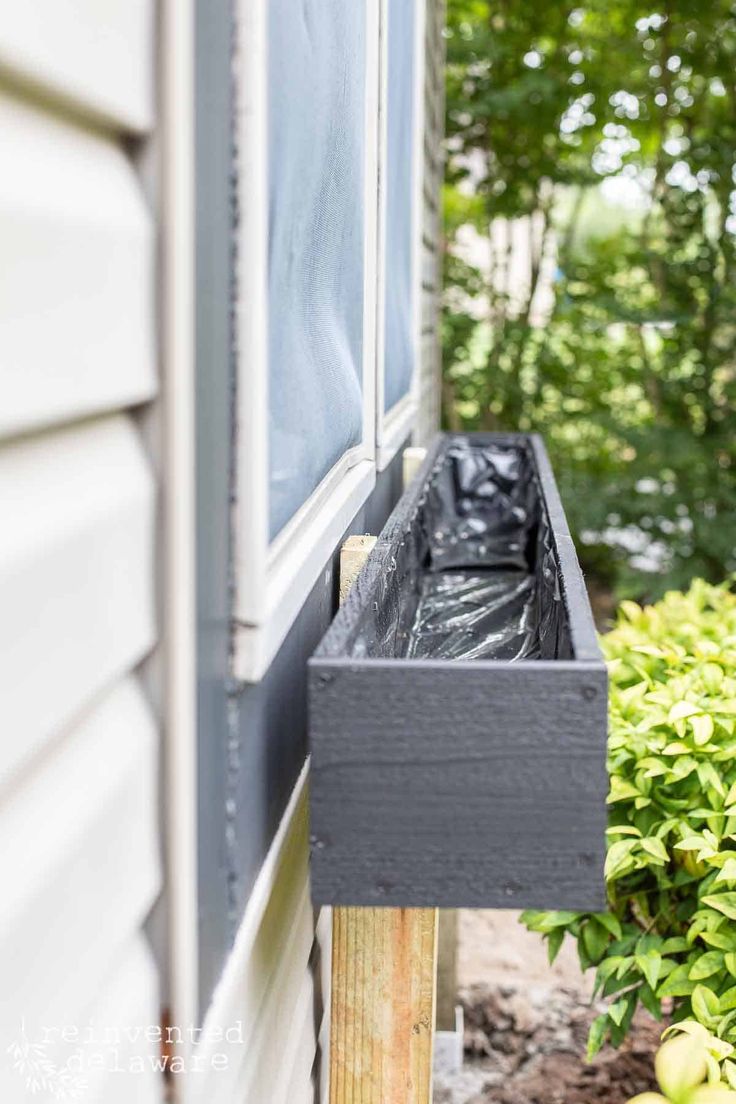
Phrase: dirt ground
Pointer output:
(526, 1025)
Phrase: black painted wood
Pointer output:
(470, 783)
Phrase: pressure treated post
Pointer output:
(383, 980)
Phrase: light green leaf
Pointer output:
(610, 922)
(727, 1000)
(595, 940)
(705, 1005)
(650, 964)
(681, 710)
(554, 942)
(709, 776)
(674, 945)
(729, 1069)
(692, 843)
(706, 965)
(621, 790)
(702, 728)
(727, 873)
(712, 677)
(544, 922)
(619, 858)
(655, 848)
(722, 902)
(677, 984)
(597, 1035)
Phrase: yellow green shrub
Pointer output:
(670, 928)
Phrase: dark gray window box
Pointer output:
(458, 701)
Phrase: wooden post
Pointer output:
(383, 980)
(447, 939)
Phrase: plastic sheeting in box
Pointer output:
(476, 576)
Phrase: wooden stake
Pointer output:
(383, 980)
(353, 555)
(447, 939)
(412, 462)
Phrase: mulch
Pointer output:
(526, 1045)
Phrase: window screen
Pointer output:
(316, 90)
(399, 351)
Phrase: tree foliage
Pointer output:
(628, 367)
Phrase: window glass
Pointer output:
(316, 91)
(399, 344)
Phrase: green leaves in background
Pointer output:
(617, 342)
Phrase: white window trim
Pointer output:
(273, 579)
(393, 426)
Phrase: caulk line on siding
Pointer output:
(233, 757)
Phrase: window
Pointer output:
(316, 249)
(322, 94)
(400, 224)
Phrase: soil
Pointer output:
(526, 1026)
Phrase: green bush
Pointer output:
(669, 931)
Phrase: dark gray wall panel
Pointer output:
(271, 715)
(214, 363)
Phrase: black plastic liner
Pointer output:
(476, 576)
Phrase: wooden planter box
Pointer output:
(440, 776)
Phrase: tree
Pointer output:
(630, 369)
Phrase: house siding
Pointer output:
(79, 851)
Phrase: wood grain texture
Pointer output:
(447, 943)
(383, 979)
(457, 783)
(469, 784)
(353, 555)
(382, 1005)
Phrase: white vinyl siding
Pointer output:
(72, 221)
(93, 55)
(268, 983)
(79, 849)
(78, 846)
(126, 998)
(76, 575)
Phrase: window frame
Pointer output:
(394, 425)
(272, 579)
